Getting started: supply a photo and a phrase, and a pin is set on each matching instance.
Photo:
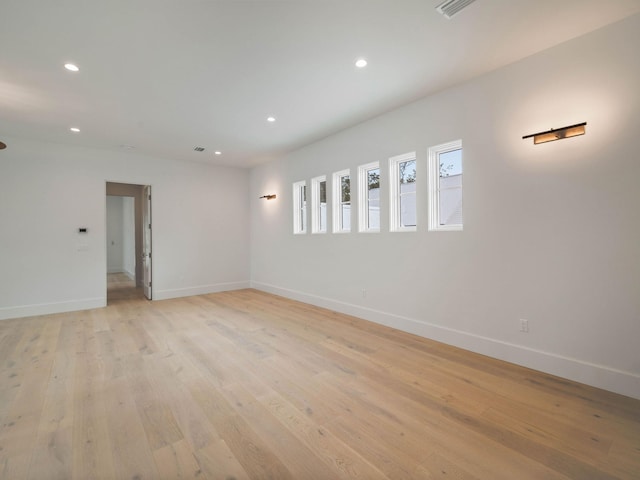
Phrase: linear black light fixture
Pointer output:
(558, 133)
(268, 197)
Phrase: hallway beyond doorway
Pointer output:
(122, 287)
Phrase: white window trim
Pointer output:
(394, 191)
(337, 201)
(315, 204)
(434, 186)
(363, 197)
(297, 212)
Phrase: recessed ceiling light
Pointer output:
(71, 67)
(218, 153)
(271, 119)
(361, 63)
(75, 129)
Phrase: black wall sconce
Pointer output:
(268, 197)
(558, 133)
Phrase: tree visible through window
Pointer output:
(369, 197)
(319, 204)
(445, 186)
(402, 174)
(373, 199)
(342, 201)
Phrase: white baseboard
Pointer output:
(48, 308)
(600, 376)
(199, 290)
(124, 270)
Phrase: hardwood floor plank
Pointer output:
(622, 460)
(155, 415)
(217, 461)
(299, 459)
(344, 461)
(13, 366)
(91, 443)
(437, 466)
(588, 446)
(420, 431)
(249, 385)
(52, 452)
(177, 461)
(250, 450)
(193, 424)
(31, 368)
(558, 460)
(132, 456)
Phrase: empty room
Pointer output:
(319, 239)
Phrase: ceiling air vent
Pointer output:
(453, 7)
(198, 149)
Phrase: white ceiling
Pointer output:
(165, 76)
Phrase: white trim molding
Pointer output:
(21, 311)
(199, 290)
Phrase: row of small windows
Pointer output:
(444, 188)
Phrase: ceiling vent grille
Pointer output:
(453, 7)
(199, 149)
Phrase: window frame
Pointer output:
(337, 216)
(299, 208)
(316, 205)
(434, 186)
(363, 197)
(395, 215)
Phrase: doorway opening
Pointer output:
(128, 242)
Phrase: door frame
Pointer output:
(135, 190)
(147, 243)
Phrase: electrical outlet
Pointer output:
(524, 325)
(364, 293)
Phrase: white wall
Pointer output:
(551, 232)
(47, 191)
(115, 235)
(121, 235)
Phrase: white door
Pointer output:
(146, 241)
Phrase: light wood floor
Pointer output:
(121, 287)
(248, 385)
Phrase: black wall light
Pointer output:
(558, 133)
(269, 197)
